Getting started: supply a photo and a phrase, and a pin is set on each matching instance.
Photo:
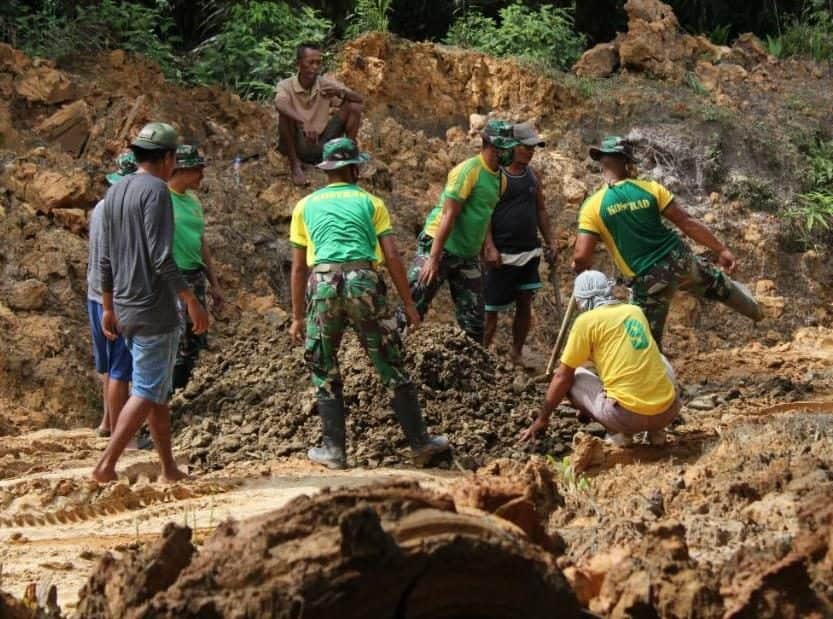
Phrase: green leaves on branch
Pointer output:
(256, 47)
(368, 16)
(544, 36)
(810, 218)
(105, 25)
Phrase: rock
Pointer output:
(73, 219)
(599, 61)
(765, 287)
(45, 85)
(48, 189)
(477, 122)
(69, 127)
(455, 134)
(704, 403)
(279, 201)
(9, 137)
(748, 51)
(13, 60)
(29, 294)
(573, 190)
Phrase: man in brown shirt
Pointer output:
(304, 103)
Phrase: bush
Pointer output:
(106, 25)
(544, 35)
(256, 47)
(810, 219)
(810, 35)
(368, 16)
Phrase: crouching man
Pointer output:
(634, 390)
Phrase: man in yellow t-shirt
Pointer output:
(634, 390)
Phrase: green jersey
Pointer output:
(477, 187)
(189, 226)
(339, 223)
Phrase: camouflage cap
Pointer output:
(156, 136)
(187, 156)
(341, 152)
(125, 165)
(613, 145)
(498, 133)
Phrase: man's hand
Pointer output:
(311, 135)
(551, 253)
(198, 315)
(528, 435)
(491, 256)
(110, 325)
(332, 91)
(430, 271)
(297, 330)
(414, 319)
(727, 261)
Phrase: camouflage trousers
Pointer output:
(190, 344)
(357, 299)
(465, 282)
(679, 270)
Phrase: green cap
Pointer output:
(499, 134)
(187, 156)
(125, 165)
(156, 136)
(613, 145)
(341, 152)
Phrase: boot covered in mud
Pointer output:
(742, 301)
(332, 452)
(423, 446)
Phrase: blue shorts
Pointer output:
(153, 365)
(111, 358)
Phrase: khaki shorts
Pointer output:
(588, 394)
(310, 152)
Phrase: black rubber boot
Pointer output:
(742, 301)
(181, 376)
(331, 453)
(423, 447)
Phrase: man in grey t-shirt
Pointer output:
(140, 284)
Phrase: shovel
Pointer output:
(562, 333)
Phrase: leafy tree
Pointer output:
(256, 47)
(544, 35)
(369, 16)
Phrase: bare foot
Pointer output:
(103, 476)
(298, 176)
(174, 475)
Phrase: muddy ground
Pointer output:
(730, 519)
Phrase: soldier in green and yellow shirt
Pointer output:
(191, 253)
(448, 248)
(337, 234)
(628, 215)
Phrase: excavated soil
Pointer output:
(236, 410)
(731, 519)
(382, 551)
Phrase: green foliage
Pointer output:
(109, 24)
(811, 34)
(720, 34)
(256, 47)
(573, 483)
(695, 84)
(544, 35)
(774, 45)
(368, 16)
(810, 219)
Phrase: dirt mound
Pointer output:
(382, 551)
(236, 409)
(746, 527)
